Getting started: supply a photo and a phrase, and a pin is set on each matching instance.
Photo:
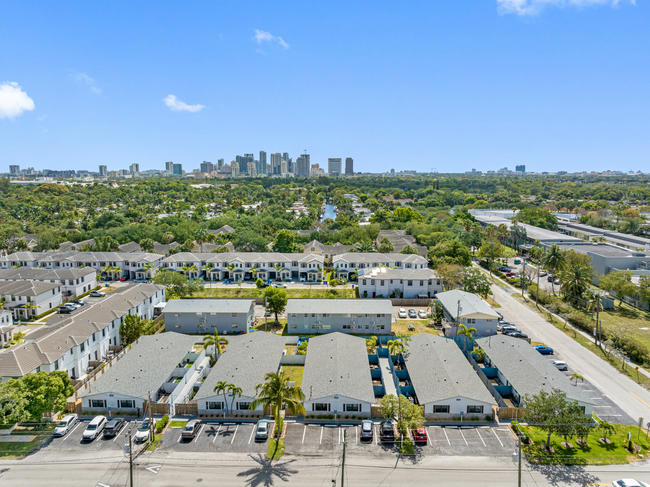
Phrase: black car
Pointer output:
(113, 427)
(550, 278)
(517, 334)
(387, 432)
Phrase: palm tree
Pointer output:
(517, 233)
(254, 272)
(147, 244)
(480, 355)
(215, 340)
(575, 281)
(29, 305)
(577, 377)
(148, 268)
(168, 237)
(223, 387)
(277, 393)
(200, 237)
(395, 347)
(502, 230)
(236, 392)
(607, 429)
(107, 269)
(596, 305)
(278, 270)
(491, 231)
(231, 268)
(465, 332)
(365, 246)
(554, 261)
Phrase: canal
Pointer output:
(329, 212)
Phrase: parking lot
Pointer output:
(73, 441)
(313, 439)
(407, 308)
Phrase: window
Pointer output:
(409, 283)
(381, 327)
(319, 406)
(82, 347)
(471, 321)
(294, 326)
(440, 409)
(474, 409)
(381, 283)
(364, 282)
(126, 404)
(243, 406)
(235, 325)
(214, 405)
(293, 315)
(351, 407)
(56, 365)
(94, 337)
(379, 316)
(103, 332)
(346, 327)
(234, 315)
(326, 327)
(97, 403)
(421, 283)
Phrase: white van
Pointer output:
(95, 427)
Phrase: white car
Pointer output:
(560, 365)
(402, 313)
(422, 314)
(93, 429)
(65, 425)
(629, 483)
(143, 432)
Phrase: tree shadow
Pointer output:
(565, 475)
(265, 474)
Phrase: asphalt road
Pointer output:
(633, 399)
(161, 470)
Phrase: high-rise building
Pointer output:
(220, 163)
(283, 167)
(135, 169)
(349, 165)
(334, 166)
(262, 164)
(14, 170)
(250, 170)
(103, 171)
(285, 156)
(123, 172)
(276, 163)
(302, 167)
(177, 169)
(243, 161)
(207, 167)
(521, 168)
(234, 169)
(169, 167)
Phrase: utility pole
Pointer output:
(491, 255)
(519, 482)
(151, 419)
(130, 451)
(343, 462)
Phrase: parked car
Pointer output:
(79, 302)
(516, 334)
(113, 427)
(401, 313)
(544, 350)
(422, 296)
(509, 329)
(279, 285)
(422, 314)
(556, 281)
(550, 278)
(262, 430)
(511, 274)
(504, 268)
(412, 313)
(366, 430)
(629, 483)
(125, 278)
(560, 365)
(517, 261)
(387, 432)
(191, 429)
(420, 435)
(142, 434)
(499, 315)
(94, 428)
(542, 273)
(65, 425)
(67, 308)
(96, 294)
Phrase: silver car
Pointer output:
(66, 424)
(95, 427)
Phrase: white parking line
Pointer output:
(339, 435)
(119, 432)
(479, 435)
(303, 434)
(495, 434)
(461, 434)
(234, 434)
(429, 438)
(252, 431)
(321, 435)
(180, 436)
(376, 435)
(445, 432)
(217, 434)
(356, 436)
(72, 430)
(196, 438)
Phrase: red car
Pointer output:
(420, 435)
(510, 274)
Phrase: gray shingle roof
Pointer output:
(470, 303)
(208, 306)
(34, 273)
(439, 371)
(145, 367)
(372, 257)
(26, 288)
(340, 306)
(247, 359)
(337, 364)
(525, 368)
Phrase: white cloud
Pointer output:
(178, 106)
(262, 36)
(83, 78)
(13, 100)
(40, 119)
(533, 7)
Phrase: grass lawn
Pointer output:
(270, 327)
(407, 447)
(636, 321)
(18, 449)
(421, 326)
(295, 373)
(249, 292)
(594, 453)
(492, 302)
(275, 449)
(291, 349)
(156, 441)
(177, 424)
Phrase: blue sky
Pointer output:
(451, 85)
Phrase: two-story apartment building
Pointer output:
(348, 265)
(27, 299)
(6, 327)
(73, 281)
(228, 316)
(399, 283)
(73, 342)
(358, 316)
(461, 307)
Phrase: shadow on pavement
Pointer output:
(265, 474)
(565, 475)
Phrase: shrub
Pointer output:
(488, 417)
(259, 282)
(161, 423)
(581, 321)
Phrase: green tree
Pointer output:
(620, 283)
(465, 333)
(44, 392)
(554, 261)
(450, 252)
(386, 246)
(364, 246)
(147, 244)
(177, 284)
(409, 416)
(275, 392)
(13, 402)
(216, 340)
(575, 282)
(223, 387)
(236, 392)
(285, 242)
(405, 215)
(131, 329)
(276, 300)
(451, 275)
(476, 282)
(551, 412)
(607, 429)
(408, 249)
(644, 288)
(518, 234)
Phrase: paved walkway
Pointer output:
(387, 374)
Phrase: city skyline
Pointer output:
(551, 85)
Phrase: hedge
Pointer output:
(161, 423)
